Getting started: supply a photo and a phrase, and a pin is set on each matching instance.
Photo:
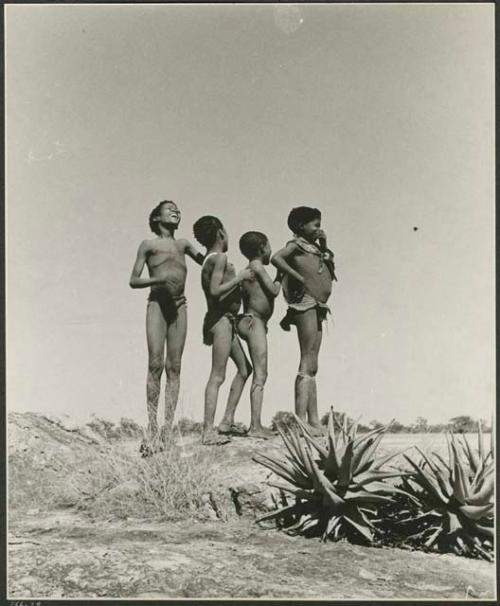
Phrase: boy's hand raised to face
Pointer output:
(322, 239)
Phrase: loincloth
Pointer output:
(169, 305)
(298, 307)
(251, 315)
(210, 320)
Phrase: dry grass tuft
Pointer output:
(168, 485)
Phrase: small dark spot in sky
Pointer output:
(415, 229)
(83, 31)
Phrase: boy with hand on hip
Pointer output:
(166, 318)
(309, 271)
(259, 293)
(221, 286)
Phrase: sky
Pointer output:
(382, 116)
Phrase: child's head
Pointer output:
(165, 213)
(305, 221)
(208, 229)
(254, 244)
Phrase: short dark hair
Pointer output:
(205, 230)
(301, 215)
(251, 243)
(155, 215)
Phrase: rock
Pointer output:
(209, 507)
(366, 574)
(253, 499)
(75, 575)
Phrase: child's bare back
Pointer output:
(231, 301)
(256, 299)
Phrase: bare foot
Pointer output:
(212, 438)
(260, 432)
(232, 429)
(317, 431)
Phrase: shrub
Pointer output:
(283, 419)
(335, 489)
(118, 483)
(453, 505)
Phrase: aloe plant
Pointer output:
(455, 499)
(335, 488)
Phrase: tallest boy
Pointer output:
(166, 318)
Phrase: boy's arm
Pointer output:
(270, 287)
(135, 277)
(191, 251)
(218, 288)
(281, 258)
(327, 254)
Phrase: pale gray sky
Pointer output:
(380, 115)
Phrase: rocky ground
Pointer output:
(59, 549)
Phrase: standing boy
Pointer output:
(166, 319)
(259, 293)
(221, 286)
(307, 265)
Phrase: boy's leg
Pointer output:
(312, 405)
(176, 338)
(222, 341)
(257, 344)
(244, 369)
(156, 331)
(305, 382)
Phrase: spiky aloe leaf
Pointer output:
(277, 513)
(298, 525)
(369, 434)
(386, 488)
(480, 441)
(366, 461)
(325, 485)
(424, 479)
(299, 493)
(363, 496)
(437, 531)
(283, 470)
(441, 477)
(473, 458)
(454, 522)
(356, 521)
(366, 520)
(331, 464)
(381, 461)
(492, 445)
(287, 441)
(345, 471)
(330, 527)
(449, 436)
(372, 476)
(485, 493)
(311, 440)
(485, 530)
(476, 512)
(442, 461)
(295, 446)
(460, 484)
